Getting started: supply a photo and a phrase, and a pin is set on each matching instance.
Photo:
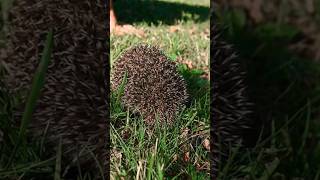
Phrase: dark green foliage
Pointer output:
(285, 89)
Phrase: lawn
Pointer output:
(181, 30)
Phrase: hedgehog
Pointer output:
(230, 106)
(73, 104)
(153, 86)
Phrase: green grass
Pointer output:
(145, 153)
(285, 88)
(153, 153)
(156, 152)
(19, 157)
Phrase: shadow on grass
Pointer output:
(155, 12)
(197, 86)
(285, 89)
(280, 83)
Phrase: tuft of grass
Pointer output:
(18, 156)
(36, 87)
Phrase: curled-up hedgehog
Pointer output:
(230, 106)
(153, 87)
(73, 101)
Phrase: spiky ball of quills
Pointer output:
(152, 84)
(231, 108)
(73, 101)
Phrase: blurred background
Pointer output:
(278, 43)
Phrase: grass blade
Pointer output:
(36, 87)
